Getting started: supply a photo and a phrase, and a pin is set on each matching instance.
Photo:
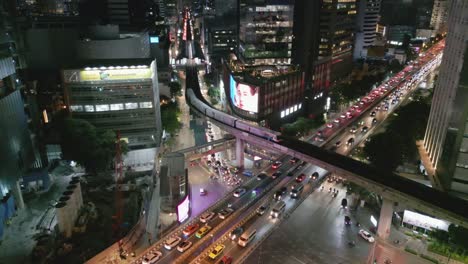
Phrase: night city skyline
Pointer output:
(234, 131)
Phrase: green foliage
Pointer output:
(407, 249)
(391, 148)
(170, 117)
(440, 235)
(395, 66)
(444, 249)
(344, 93)
(458, 235)
(302, 126)
(431, 259)
(176, 89)
(92, 148)
(384, 151)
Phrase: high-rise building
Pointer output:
(439, 16)
(446, 141)
(265, 31)
(337, 27)
(367, 19)
(115, 86)
(17, 125)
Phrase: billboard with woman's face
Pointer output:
(244, 96)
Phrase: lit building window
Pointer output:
(89, 108)
(146, 105)
(76, 108)
(131, 105)
(102, 108)
(116, 107)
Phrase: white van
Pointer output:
(278, 209)
(246, 237)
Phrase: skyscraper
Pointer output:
(337, 27)
(368, 16)
(439, 16)
(266, 31)
(446, 141)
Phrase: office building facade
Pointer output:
(446, 138)
(367, 19)
(265, 31)
(123, 98)
(269, 95)
(337, 27)
(439, 16)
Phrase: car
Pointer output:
(353, 130)
(151, 257)
(239, 192)
(349, 116)
(338, 143)
(206, 217)
(366, 235)
(364, 129)
(276, 164)
(216, 251)
(320, 133)
(330, 125)
(350, 142)
(276, 174)
(202, 192)
(347, 220)
(314, 176)
(342, 116)
(300, 178)
(290, 174)
(262, 209)
(362, 102)
(172, 242)
(294, 160)
(337, 121)
(278, 195)
(374, 120)
(182, 247)
(189, 230)
(223, 214)
(373, 113)
(226, 260)
(203, 231)
(236, 233)
(261, 176)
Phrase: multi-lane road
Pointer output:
(261, 191)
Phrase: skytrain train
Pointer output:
(231, 121)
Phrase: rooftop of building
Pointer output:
(260, 73)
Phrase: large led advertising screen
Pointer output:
(243, 96)
(183, 210)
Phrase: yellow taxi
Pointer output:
(202, 231)
(217, 251)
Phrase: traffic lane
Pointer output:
(314, 233)
(262, 224)
(287, 181)
(236, 202)
(239, 218)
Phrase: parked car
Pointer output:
(366, 235)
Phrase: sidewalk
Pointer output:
(398, 233)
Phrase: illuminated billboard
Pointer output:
(243, 96)
(183, 210)
(424, 221)
(107, 74)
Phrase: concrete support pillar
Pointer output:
(385, 219)
(240, 152)
(16, 191)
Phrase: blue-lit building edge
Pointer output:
(15, 147)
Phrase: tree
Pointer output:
(176, 89)
(384, 151)
(458, 235)
(92, 148)
(395, 66)
(170, 117)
